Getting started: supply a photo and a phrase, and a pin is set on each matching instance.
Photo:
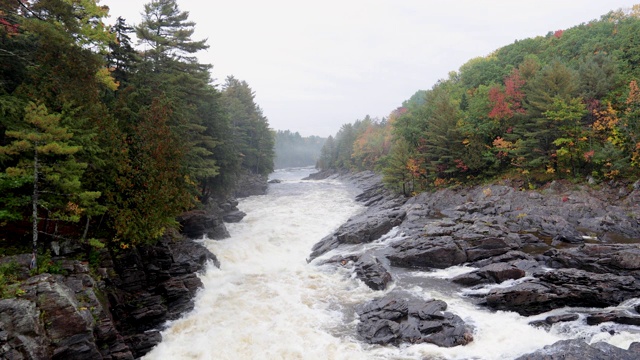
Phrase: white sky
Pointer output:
(315, 65)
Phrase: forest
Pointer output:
(565, 105)
(101, 140)
(294, 150)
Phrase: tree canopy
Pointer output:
(100, 138)
(563, 105)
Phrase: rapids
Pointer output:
(267, 302)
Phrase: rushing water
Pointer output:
(267, 302)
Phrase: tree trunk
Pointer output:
(35, 208)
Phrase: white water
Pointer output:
(266, 302)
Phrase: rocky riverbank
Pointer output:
(563, 245)
(114, 305)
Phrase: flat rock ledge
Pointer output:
(563, 245)
(580, 350)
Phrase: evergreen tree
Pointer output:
(46, 158)
(253, 139)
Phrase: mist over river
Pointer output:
(267, 302)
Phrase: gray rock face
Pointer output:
(372, 272)
(383, 213)
(59, 317)
(234, 216)
(395, 319)
(249, 184)
(154, 284)
(197, 223)
(428, 252)
(490, 274)
(579, 350)
(564, 287)
(507, 234)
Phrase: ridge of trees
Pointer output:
(100, 139)
(295, 150)
(564, 105)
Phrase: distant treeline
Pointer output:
(293, 150)
(564, 105)
(101, 140)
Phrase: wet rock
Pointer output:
(426, 253)
(234, 216)
(274, 181)
(197, 223)
(250, 184)
(366, 228)
(372, 273)
(580, 350)
(340, 259)
(490, 274)
(516, 259)
(485, 247)
(564, 287)
(381, 215)
(618, 259)
(618, 317)
(23, 335)
(141, 344)
(327, 244)
(395, 319)
(554, 319)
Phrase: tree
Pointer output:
(167, 31)
(121, 57)
(46, 158)
(537, 132)
(250, 128)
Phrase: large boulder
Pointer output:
(250, 184)
(197, 223)
(427, 252)
(396, 319)
(372, 272)
(490, 274)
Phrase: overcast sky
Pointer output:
(315, 65)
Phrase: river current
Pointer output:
(267, 302)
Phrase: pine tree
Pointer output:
(46, 156)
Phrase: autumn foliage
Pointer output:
(564, 105)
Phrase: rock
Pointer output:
(360, 229)
(550, 320)
(197, 223)
(580, 350)
(274, 181)
(394, 319)
(372, 273)
(564, 287)
(561, 318)
(23, 334)
(490, 274)
(426, 253)
(250, 184)
(234, 216)
(141, 344)
(369, 229)
(381, 215)
(615, 316)
(155, 283)
(618, 259)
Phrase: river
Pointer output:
(267, 302)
